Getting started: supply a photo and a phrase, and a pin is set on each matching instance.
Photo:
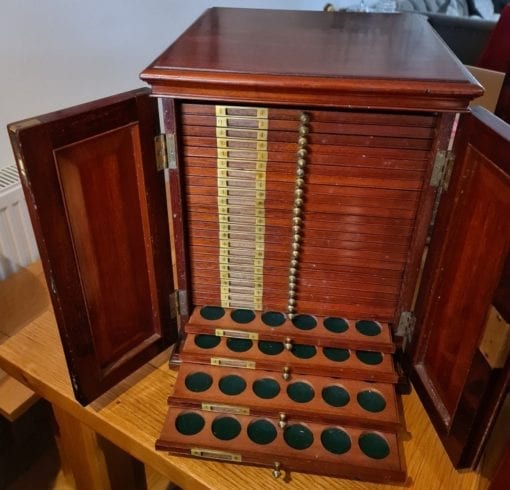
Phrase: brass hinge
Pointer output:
(178, 303)
(495, 344)
(406, 326)
(165, 151)
(442, 171)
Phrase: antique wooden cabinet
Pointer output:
(306, 163)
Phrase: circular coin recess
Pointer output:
(300, 392)
(273, 318)
(368, 328)
(368, 357)
(232, 384)
(336, 325)
(335, 440)
(336, 396)
(212, 312)
(336, 355)
(189, 423)
(374, 445)
(266, 388)
(304, 322)
(261, 431)
(207, 341)
(297, 436)
(239, 345)
(225, 428)
(372, 401)
(270, 348)
(304, 351)
(243, 316)
(198, 382)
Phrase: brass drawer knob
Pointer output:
(286, 373)
(283, 421)
(276, 470)
(288, 343)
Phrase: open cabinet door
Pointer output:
(466, 272)
(98, 208)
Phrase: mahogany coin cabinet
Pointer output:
(275, 229)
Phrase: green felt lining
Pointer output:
(372, 401)
(212, 312)
(232, 384)
(368, 357)
(226, 428)
(189, 423)
(304, 351)
(261, 431)
(266, 388)
(273, 318)
(336, 325)
(239, 345)
(300, 392)
(198, 382)
(335, 440)
(298, 436)
(304, 322)
(207, 341)
(368, 328)
(374, 445)
(270, 348)
(336, 396)
(337, 355)
(242, 316)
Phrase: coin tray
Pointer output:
(302, 329)
(301, 359)
(342, 451)
(255, 392)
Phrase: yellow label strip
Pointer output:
(215, 454)
(236, 334)
(235, 363)
(217, 407)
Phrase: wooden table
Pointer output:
(131, 414)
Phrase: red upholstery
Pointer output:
(497, 57)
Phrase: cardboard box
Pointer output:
(492, 82)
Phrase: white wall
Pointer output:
(56, 53)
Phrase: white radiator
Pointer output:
(17, 242)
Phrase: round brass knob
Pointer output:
(303, 130)
(283, 421)
(286, 373)
(302, 141)
(288, 343)
(276, 470)
(304, 118)
(302, 152)
(294, 263)
(296, 211)
(301, 163)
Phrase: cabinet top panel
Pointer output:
(311, 50)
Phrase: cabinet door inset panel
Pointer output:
(109, 230)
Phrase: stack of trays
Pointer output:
(242, 395)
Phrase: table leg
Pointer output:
(80, 453)
(93, 461)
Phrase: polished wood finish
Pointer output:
(98, 209)
(131, 415)
(459, 284)
(345, 59)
